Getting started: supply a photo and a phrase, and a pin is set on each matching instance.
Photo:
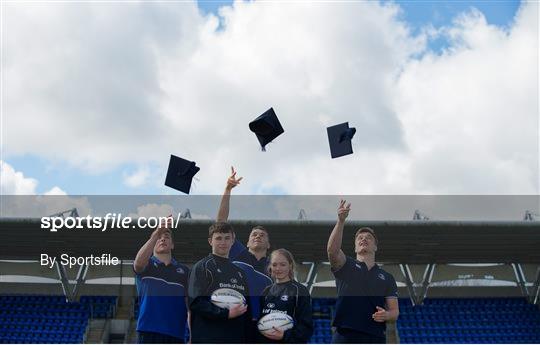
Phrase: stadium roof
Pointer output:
(412, 242)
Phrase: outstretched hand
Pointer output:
(343, 210)
(232, 181)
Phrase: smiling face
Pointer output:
(365, 242)
(258, 239)
(280, 267)
(164, 244)
(221, 243)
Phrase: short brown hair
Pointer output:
(368, 230)
(220, 227)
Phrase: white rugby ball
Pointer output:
(227, 298)
(281, 321)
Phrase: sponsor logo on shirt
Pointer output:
(284, 298)
(232, 286)
(234, 281)
(268, 311)
(271, 305)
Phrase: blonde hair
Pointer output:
(288, 255)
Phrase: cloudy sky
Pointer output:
(97, 95)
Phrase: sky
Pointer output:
(444, 96)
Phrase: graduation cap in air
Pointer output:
(180, 174)
(339, 138)
(266, 127)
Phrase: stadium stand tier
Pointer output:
(459, 282)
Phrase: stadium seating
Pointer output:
(469, 320)
(50, 319)
(451, 321)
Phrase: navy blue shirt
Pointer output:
(256, 282)
(360, 291)
(240, 253)
(293, 299)
(256, 274)
(162, 298)
(210, 324)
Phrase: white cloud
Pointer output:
(55, 191)
(20, 197)
(138, 178)
(166, 81)
(14, 183)
(153, 210)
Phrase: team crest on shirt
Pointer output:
(381, 276)
(284, 298)
(271, 305)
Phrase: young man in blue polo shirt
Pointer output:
(252, 259)
(161, 285)
(255, 253)
(367, 295)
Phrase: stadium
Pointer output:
(423, 114)
(459, 282)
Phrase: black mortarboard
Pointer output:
(339, 138)
(180, 174)
(266, 127)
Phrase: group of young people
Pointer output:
(174, 299)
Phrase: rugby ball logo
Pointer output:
(381, 276)
(227, 298)
(180, 270)
(280, 321)
(284, 298)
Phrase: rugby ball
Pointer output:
(281, 321)
(227, 298)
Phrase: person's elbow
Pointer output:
(138, 267)
(333, 253)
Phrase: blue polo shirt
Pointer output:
(162, 294)
(360, 291)
(256, 274)
(257, 282)
(239, 252)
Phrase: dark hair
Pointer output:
(288, 255)
(368, 230)
(260, 227)
(220, 227)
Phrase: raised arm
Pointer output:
(335, 254)
(223, 212)
(146, 251)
